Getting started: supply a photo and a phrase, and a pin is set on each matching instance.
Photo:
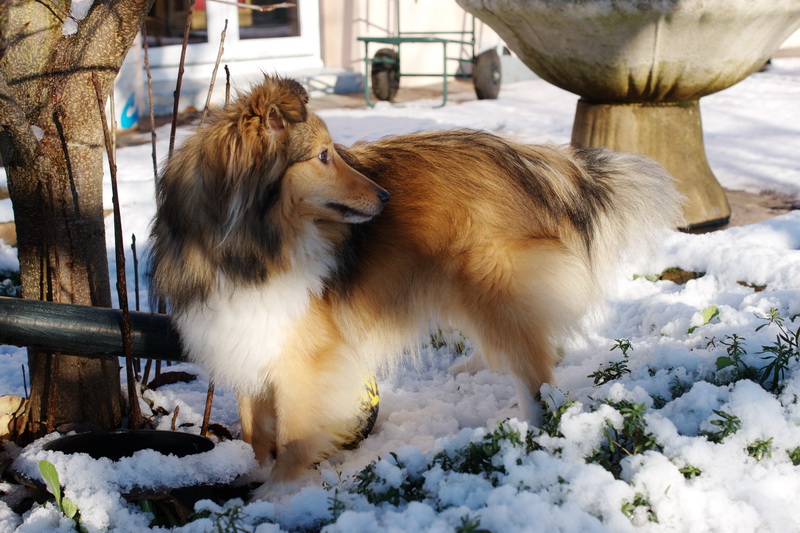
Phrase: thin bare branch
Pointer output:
(177, 95)
(153, 134)
(146, 374)
(135, 270)
(207, 411)
(214, 73)
(113, 132)
(175, 417)
(136, 363)
(253, 7)
(227, 85)
(135, 421)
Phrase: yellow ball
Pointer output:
(365, 419)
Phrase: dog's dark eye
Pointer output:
(324, 156)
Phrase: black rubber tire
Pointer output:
(487, 75)
(385, 74)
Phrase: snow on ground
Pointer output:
(717, 451)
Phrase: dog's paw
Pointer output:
(254, 478)
(471, 365)
(278, 485)
(276, 490)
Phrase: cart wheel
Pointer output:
(486, 75)
(385, 74)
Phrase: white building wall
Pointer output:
(246, 59)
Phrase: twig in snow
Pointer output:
(135, 421)
(175, 417)
(207, 412)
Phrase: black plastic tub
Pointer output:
(124, 443)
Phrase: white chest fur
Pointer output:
(240, 333)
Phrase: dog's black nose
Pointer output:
(383, 196)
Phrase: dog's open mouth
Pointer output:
(349, 214)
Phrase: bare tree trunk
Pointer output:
(51, 140)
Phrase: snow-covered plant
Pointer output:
(479, 457)
(231, 517)
(780, 352)
(470, 525)
(454, 340)
(63, 504)
(379, 481)
(639, 507)
(760, 449)
(378, 489)
(614, 370)
(794, 456)
(690, 471)
(631, 438)
(727, 423)
(707, 314)
(733, 363)
(785, 348)
(552, 418)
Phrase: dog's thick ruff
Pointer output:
(292, 281)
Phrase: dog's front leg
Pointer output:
(316, 400)
(295, 459)
(301, 405)
(530, 410)
(257, 415)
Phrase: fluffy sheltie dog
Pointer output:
(295, 268)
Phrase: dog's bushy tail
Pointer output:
(645, 206)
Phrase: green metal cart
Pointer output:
(382, 71)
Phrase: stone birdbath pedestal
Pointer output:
(640, 67)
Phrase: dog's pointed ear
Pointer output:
(287, 100)
(256, 128)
